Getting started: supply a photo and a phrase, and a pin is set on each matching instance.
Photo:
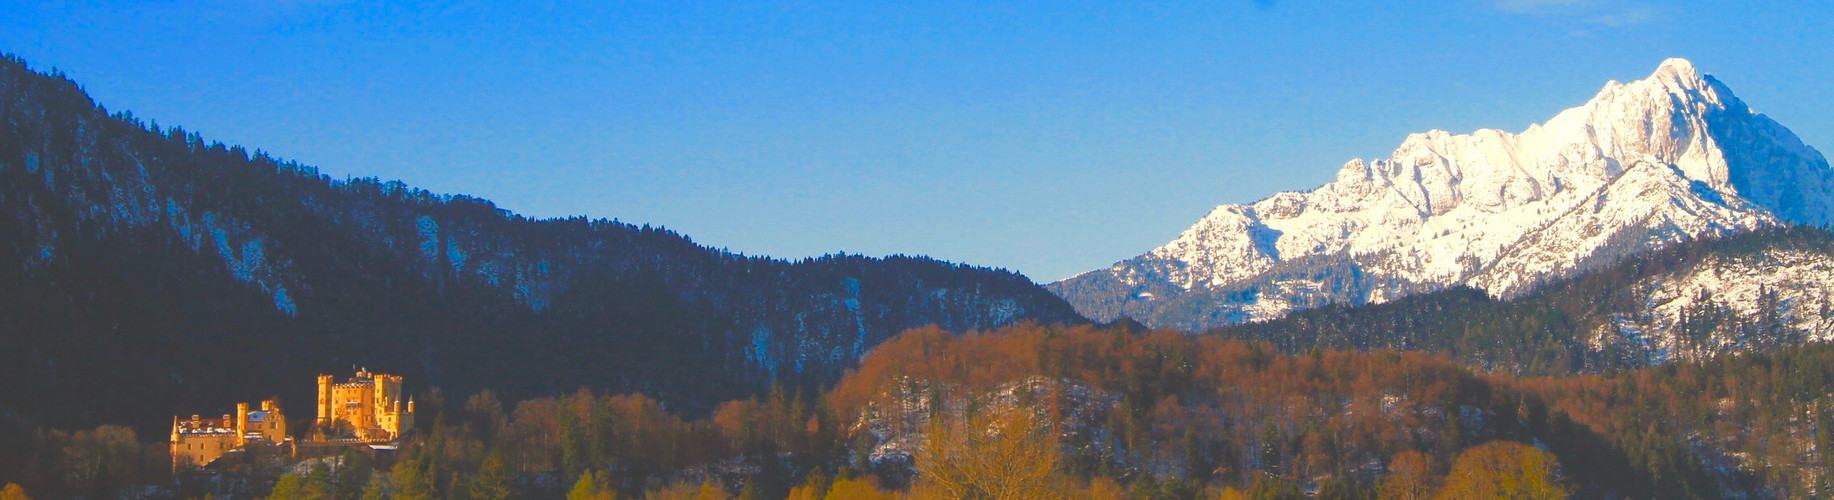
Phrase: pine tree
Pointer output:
(492, 480)
(352, 473)
(592, 486)
(573, 446)
(411, 479)
(287, 488)
(317, 483)
(817, 483)
(377, 489)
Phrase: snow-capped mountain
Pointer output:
(1668, 158)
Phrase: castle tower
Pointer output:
(241, 424)
(324, 400)
(380, 398)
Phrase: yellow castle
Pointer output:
(199, 441)
(367, 408)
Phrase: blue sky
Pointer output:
(1049, 137)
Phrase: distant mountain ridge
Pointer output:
(1670, 158)
(153, 274)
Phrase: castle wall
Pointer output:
(197, 450)
(198, 441)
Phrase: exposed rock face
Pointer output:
(1668, 158)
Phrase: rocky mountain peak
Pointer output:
(1668, 158)
(1679, 72)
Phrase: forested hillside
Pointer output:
(1081, 412)
(1747, 292)
(146, 272)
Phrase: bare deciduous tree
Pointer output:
(996, 454)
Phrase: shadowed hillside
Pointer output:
(146, 272)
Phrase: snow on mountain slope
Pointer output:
(1728, 303)
(1671, 157)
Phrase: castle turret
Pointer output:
(324, 400)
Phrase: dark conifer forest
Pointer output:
(146, 272)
